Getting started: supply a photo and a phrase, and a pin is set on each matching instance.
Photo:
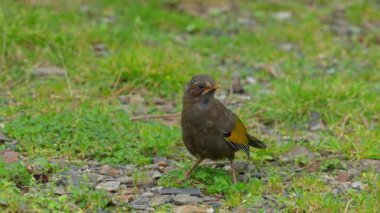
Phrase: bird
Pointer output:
(209, 129)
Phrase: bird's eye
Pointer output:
(201, 86)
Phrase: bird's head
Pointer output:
(201, 86)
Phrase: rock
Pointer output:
(163, 164)
(155, 175)
(175, 191)
(156, 189)
(242, 177)
(49, 71)
(296, 152)
(108, 170)
(283, 15)
(157, 201)
(94, 178)
(109, 186)
(251, 80)
(60, 190)
(3, 137)
(182, 199)
(208, 199)
(286, 46)
(244, 166)
(240, 209)
(125, 180)
(147, 194)
(371, 164)
(192, 209)
(9, 156)
(316, 123)
(357, 185)
(140, 203)
(157, 159)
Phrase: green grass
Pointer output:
(152, 51)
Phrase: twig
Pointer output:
(347, 205)
(148, 117)
(121, 90)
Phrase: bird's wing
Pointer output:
(230, 126)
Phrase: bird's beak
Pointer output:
(210, 88)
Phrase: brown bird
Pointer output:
(209, 129)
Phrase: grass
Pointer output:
(152, 50)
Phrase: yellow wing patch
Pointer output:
(239, 134)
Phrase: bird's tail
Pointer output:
(256, 142)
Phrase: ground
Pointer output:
(78, 80)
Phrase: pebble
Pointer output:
(108, 170)
(140, 203)
(175, 191)
(147, 194)
(9, 156)
(357, 185)
(182, 199)
(296, 152)
(156, 201)
(109, 186)
(283, 15)
(3, 137)
(193, 209)
(371, 164)
(125, 179)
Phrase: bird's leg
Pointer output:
(233, 171)
(188, 173)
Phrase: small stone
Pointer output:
(240, 165)
(3, 137)
(147, 194)
(49, 71)
(94, 178)
(192, 209)
(371, 164)
(109, 186)
(125, 180)
(357, 185)
(316, 123)
(163, 164)
(158, 159)
(108, 170)
(240, 209)
(60, 190)
(156, 189)
(140, 203)
(286, 46)
(296, 152)
(9, 156)
(251, 80)
(155, 175)
(157, 201)
(208, 199)
(175, 191)
(182, 199)
(243, 177)
(283, 15)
